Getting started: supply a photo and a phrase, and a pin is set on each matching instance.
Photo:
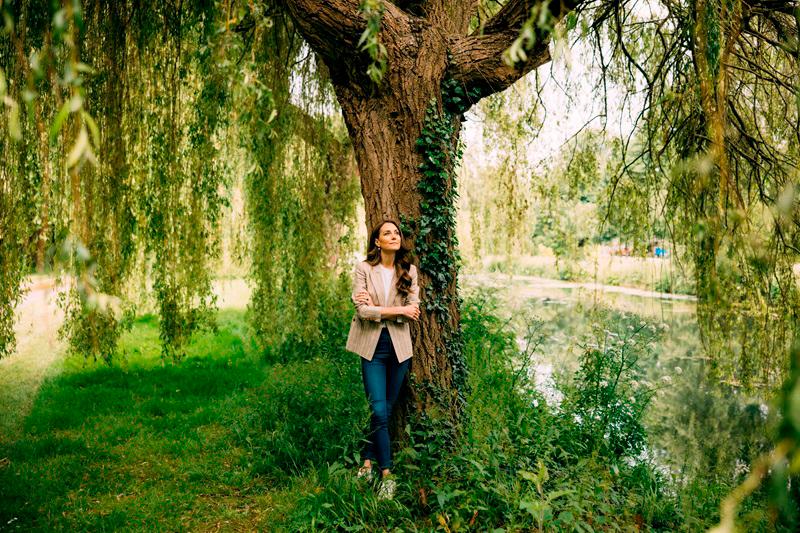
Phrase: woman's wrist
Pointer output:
(391, 312)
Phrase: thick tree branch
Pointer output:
(477, 60)
(333, 27)
(413, 7)
(452, 16)
(510, 17)
(327, 25)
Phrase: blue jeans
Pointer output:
(382, 377)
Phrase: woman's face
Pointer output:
(388, 237)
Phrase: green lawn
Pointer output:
(148, 446)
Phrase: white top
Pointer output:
(387, 274)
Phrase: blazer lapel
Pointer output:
(377, 282)
(392, 288)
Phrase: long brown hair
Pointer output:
(402, 258)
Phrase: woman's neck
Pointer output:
(387, 259)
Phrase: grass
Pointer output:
(148, 446)
(226, 440)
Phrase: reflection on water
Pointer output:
(697, 428)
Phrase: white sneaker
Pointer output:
(386, 489)
(365, 473)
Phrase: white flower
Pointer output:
(678, 370)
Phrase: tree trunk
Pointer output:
(384, 124)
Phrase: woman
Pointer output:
(386, 296)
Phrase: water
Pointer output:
(695, 426)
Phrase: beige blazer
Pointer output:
(365, 328)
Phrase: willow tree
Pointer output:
(175, 84)
(715, 159)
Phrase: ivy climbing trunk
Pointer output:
(404, 131)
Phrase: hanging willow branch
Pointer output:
(123, 163)
(720, 132)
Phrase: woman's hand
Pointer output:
(411, 311)
(363, 297)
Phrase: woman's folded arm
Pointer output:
(366, 312)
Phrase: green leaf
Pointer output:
(75, 103)
(572, 20)
(364, 37)
(14, 126)
(55, 127)
(535, 507)
(83, 67)
(558, 494)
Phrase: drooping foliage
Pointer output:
(123, 127)
(711, 163)
(301, 191)
(127, 128)
(719, 138)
